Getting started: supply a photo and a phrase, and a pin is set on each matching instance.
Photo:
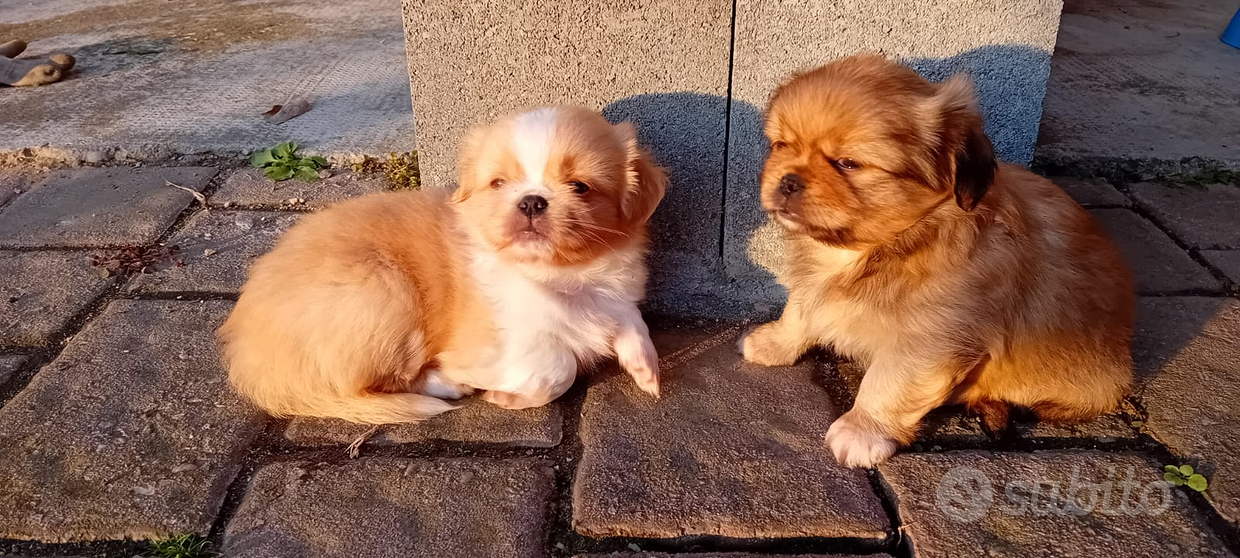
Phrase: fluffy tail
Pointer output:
(377, 408)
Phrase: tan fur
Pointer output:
(367, 309)
(953, 279)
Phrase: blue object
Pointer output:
(1231, 35)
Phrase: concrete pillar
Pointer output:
(670, 65)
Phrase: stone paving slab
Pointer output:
(1092, 192)
(1188, 363)
(1202, 217)
(953, 425)
(981, 503)
(1227, 261)
(730, 449)
(474, 421)
(42, 291)
(90, 207)
(217, 248)
(131, 432)
(384, 507)
(9, 365)
(715, 555)
(248, 187)
(1157, 264)
(15, 181)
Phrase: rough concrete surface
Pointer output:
(42, 291)
(1142, 79)
(1202, 217)
(662, 64)
(712, 555)
(962, 504)
(131, 432)
(9, 366)
(1092, 192)
(15, 181)
(1188, 360)
(474, 421)
(1005, 46)
(216, 249)
(155, 78)
(249, 188)
(92, 207)
(385, 507)
(729, 449)
(1157, 264)
(1227, 261)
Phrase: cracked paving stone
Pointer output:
(91, 207)
(9, 365)
(1227, 261)
(1202, 217)
(248, 187)
(42, 291)
(1091, 192)
(381, 506)
(982, 503)
(1187, 354)
(217, 248)
(1157, 264)
(730, 449)
(474, 421)
(717, 555)
(132, 432)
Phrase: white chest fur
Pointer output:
(549, 320)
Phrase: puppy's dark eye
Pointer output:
(579, 187)
(498, 183)
(847, 164)
(778, 145)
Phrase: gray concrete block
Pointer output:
(1227, 261)
(982, 503)
(730, 449)
(1092, 192)
(1005, 46)
(42, 291)
(90, 207)
(249, 188)
(9, 366)
(474, 421)
(381, 507)
(1157, 264)
(662, 64)
(1203, 217)
(216, 249)
(132, 432)
(1187, 353)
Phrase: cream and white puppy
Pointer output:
(377, 309)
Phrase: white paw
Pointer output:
(637, 355)
(857, 442)
(435, 385)
(762, 346)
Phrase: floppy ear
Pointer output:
(967, 158)
(467, 167)
(646, 181)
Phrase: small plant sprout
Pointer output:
(1185, 476)
(282, 163)
(181, 546)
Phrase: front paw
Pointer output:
(858, 441)
(765, 346)
(637, 356)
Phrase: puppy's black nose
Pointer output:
(791, 184)
(532, 205)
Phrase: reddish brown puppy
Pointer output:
(953, 278)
